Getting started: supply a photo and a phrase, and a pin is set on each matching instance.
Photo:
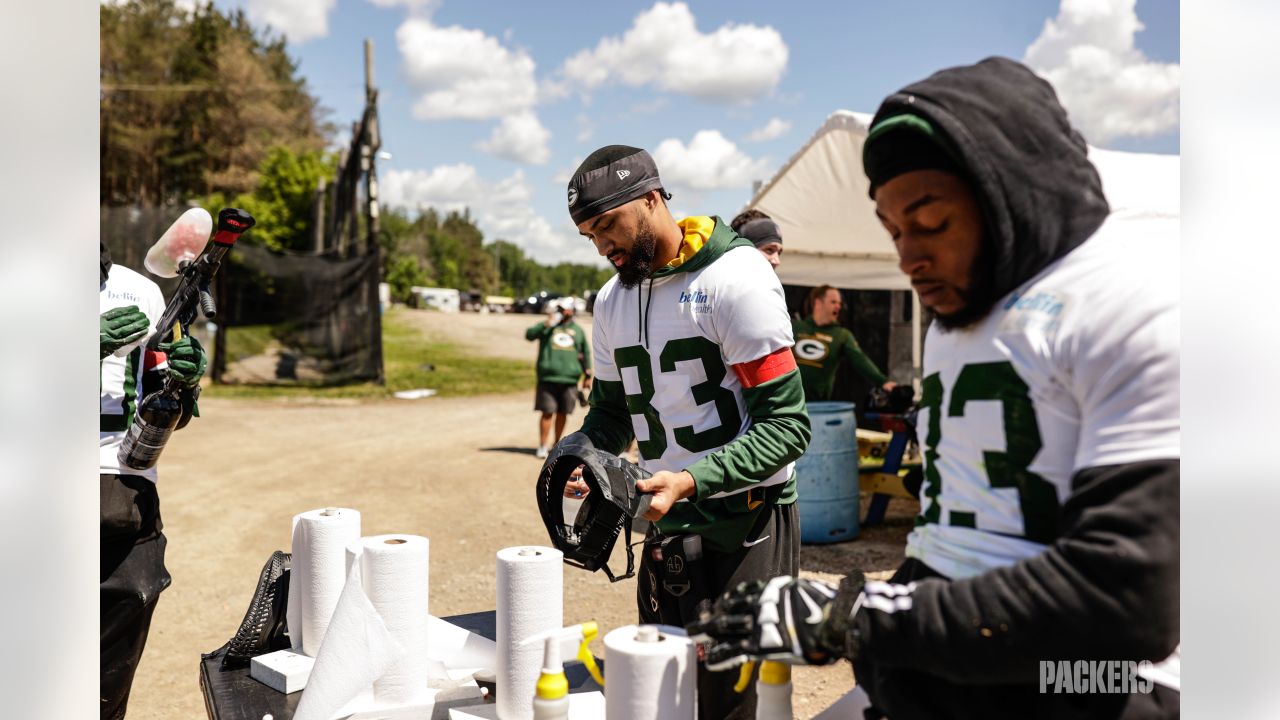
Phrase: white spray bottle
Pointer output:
(773, 691)
(551, 694)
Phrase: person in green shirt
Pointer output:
(564, 355)
(822, 343)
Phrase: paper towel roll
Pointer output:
(357, 650)
(318, 572)
(530, 601)
(650, 673)
(394, 573)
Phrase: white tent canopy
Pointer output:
(829, 228)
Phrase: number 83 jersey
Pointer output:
(675, 339)
(1077, 368)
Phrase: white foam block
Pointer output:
(582, 706)
(487, 711)
(284, 671)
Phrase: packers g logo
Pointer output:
(810, 349)
(573, 196)
(562, 340)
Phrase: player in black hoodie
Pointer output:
(1048, 535)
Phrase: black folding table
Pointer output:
(233, 695)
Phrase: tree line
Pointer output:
(200, 107)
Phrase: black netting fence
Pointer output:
(284, 318)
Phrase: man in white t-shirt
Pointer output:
(1048, 535)
(692, 345)
(131, 539)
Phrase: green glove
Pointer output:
(119, 327)
(187, 360)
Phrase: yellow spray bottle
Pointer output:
(773, 689)
(551, 694)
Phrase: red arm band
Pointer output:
(774, 365)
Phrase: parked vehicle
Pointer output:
(537, 303)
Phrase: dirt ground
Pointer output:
(457, 470)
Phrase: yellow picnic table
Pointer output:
(881, 465)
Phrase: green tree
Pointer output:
(282, 200)
(449, 251)
(193, 102)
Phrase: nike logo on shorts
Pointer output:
(757, 541)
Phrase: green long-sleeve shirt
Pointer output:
(564, 355)
(689, 343)
(819, 349)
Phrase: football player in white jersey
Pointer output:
(1049, 421)
(131, 541)
(693, 359)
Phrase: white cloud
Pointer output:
(709, 162)
(520, 137)
(776, 127)
(585, 127)
(464, 73)
(503, 209)
(421, 7)
(298, 20)
(649, 107)
(663, 48)
(184, 5)
(1109, 88)
(553, 89)
(565, 174)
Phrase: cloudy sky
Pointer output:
(490, 105)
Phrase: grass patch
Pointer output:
(407, 353)
(247, 341)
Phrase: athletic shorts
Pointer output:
(555, 397)
(771, 549)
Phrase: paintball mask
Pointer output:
(612, 503)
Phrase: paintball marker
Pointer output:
(180, 251)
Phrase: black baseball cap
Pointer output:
(611, 176)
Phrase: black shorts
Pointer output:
(773, 548)
(555, 397)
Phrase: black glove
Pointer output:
(119, 327)
(187, 361)
(785, 620)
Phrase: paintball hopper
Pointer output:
(612, 503)
(181, 243)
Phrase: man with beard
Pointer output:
(131, 543)
(1047, 541)
(693, 358)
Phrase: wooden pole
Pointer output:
(319, 216)
(369, 155)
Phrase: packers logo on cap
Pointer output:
(573, 195)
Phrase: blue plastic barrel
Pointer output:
(827, 475)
